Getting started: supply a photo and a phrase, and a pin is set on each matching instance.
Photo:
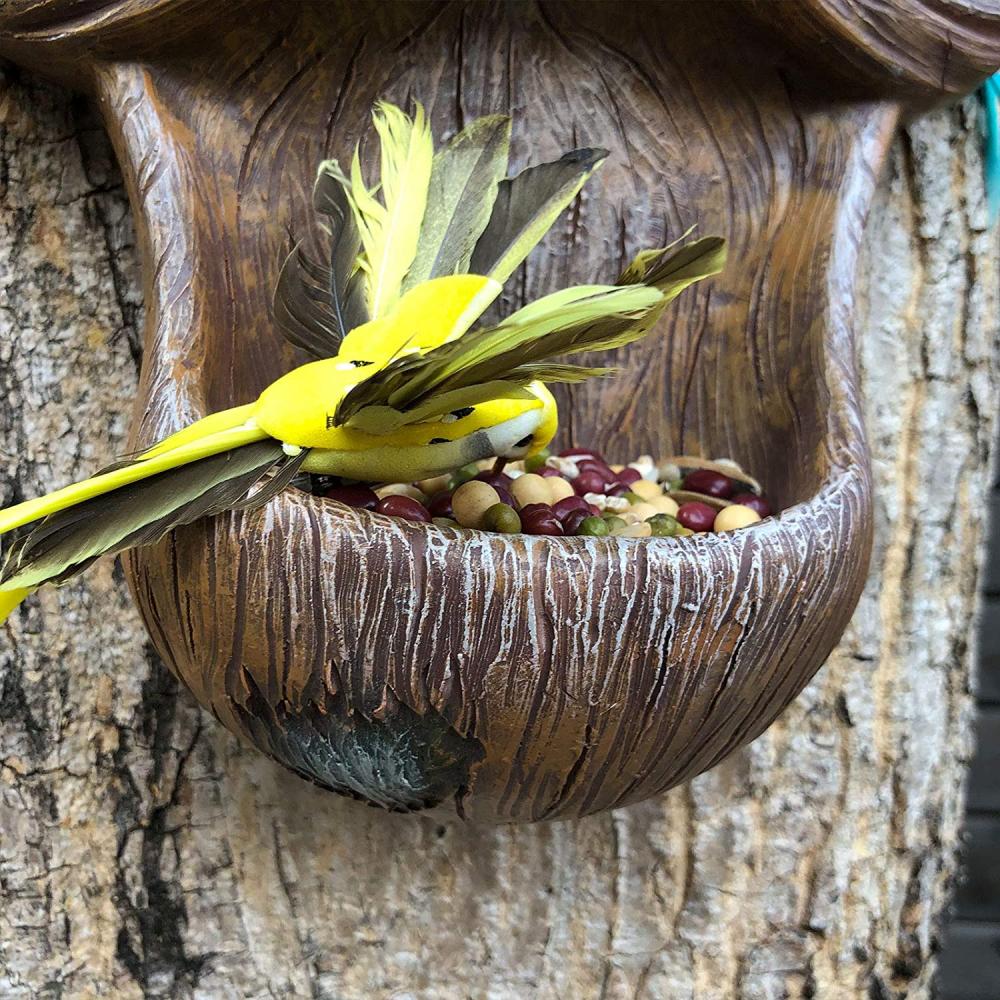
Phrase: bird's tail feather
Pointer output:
(201, 471)
(211, 436)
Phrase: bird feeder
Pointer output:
(518, 678)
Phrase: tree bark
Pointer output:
(145, 853)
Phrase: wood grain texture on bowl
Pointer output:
(510, 678)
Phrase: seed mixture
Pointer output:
(575, 492)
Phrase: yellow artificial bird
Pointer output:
(403, 387)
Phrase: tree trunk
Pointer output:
(144, 852)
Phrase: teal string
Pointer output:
(990, 92)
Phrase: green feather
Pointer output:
(463, 188)
(558, 373)
(315, 306)
(526, 207)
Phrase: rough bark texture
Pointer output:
(143, 852)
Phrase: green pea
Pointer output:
(595, 526)
(503, 518)
(663, 525)
(614, 523)
(632, 497)
(536, 462)
(463, 475)
(445, 522)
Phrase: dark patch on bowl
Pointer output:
(401, 761)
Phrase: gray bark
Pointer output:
(145, 853)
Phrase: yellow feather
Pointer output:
(390, 230)
(427, 316)
(10, 599)
(224, 420)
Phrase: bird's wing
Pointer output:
(428, 217)
(142, 512)
(506, 357)
(520, 350)
(124, 474)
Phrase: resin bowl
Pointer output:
(516, 678)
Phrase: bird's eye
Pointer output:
(439, 441)
(462, 412)
(525, 441)
(362, 364)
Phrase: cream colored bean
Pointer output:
(645, 466)
(665, 505)
(646, 489)
(735, 516)
(643, 510)
(531, 488)
(559, 488)
(615, 504)
(471, 501)
(566, 467)
(641, 530)
(437, 484)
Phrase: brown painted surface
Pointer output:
(548, 678)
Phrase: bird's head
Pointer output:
(342, 407)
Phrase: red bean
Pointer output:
(588, 482)
(505, 496)
(754, 502)
(537, 508)
(572, 521)
(597, 464)
(400, 506)
(440, 504)
(546, 472)
(606, 476)
(354, 496)
(628, 476)
(581, 452)
(541, 524)
(495, 479)
(713, 484)
(618, 489)
(563, 507)
(696, 516)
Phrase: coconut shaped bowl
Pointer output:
(517, 678)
